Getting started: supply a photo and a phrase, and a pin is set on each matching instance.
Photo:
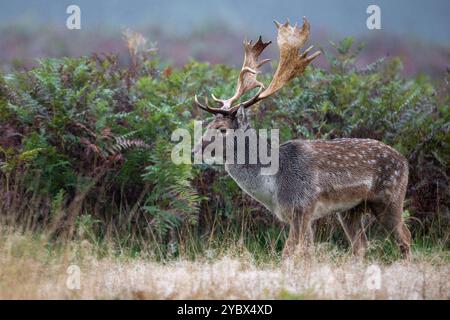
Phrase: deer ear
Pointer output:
(241, 116)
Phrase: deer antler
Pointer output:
(292, 64)
(247, 78)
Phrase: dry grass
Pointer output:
(31, 269)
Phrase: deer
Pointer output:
(316, 178)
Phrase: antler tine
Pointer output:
(247, 103)
(277, 24)
(252, 100)
(217, 99)
(209, 109)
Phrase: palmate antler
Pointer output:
(292, 64)
(247, 77)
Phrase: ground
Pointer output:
(31, 269)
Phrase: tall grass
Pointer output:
(33, 267)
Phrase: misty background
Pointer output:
(417, 31)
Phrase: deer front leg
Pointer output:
(306, 236)
(291, 242)
(300, 234)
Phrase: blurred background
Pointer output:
(211, 30)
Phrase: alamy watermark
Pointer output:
(73, 21)
(249, 146)
(373, 22)
(73, 280)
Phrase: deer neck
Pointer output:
(249, 178)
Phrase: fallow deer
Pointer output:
(315, 177)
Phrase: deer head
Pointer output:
(291, 64)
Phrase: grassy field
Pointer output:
(33, 267)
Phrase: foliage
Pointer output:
(85, 143)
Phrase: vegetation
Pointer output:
(85, 150)
(32, 267)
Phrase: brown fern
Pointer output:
(123, 144)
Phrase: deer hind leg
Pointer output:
(352, 223)
(390, 216)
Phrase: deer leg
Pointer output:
(390, 216)
(300, 234)
(292, 240)
(352, 224)
(394, 223)
(306, 237)
(305, 234)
